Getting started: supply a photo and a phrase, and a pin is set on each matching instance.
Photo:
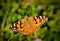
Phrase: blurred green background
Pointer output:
(13, 10)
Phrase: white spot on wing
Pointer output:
(14, 28)
(40, 17)
(14, 24)
(44, 17)
(11, 25)
(42, 20)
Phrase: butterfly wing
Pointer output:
(28, 24)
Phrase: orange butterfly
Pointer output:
(28, 25)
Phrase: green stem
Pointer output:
(3, 23)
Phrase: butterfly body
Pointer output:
(28, 24)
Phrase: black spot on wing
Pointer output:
(37, 16)
(35, 20)
(16, 25)
(20, 24)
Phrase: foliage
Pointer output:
(13, 10)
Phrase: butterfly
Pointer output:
(28, 25)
